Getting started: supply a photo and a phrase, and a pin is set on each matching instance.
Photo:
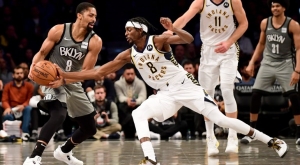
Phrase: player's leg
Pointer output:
(57, 111)
(283, 76)
(208, 74)
(82, 111)
(227, 77)
(264, 80)
(158, 107)
(212, 112)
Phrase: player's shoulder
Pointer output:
(56, 32)
(95, 38)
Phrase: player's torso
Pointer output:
(216, 22)
(279, 43)
(157, 68)
(68, 53)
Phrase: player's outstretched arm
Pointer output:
(181, 37)
(112, 66)
(195, 7)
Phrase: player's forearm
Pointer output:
(238, 33)
(38, 57)
(184, 35)
(297, 68)
(180, 23)
(70, 81)
(78, 76)
(257, 53)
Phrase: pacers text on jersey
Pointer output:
(71, 52)
(218, 16)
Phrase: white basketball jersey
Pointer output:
(216, 22)
(157, 68)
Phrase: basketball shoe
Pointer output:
(212, 146)
(66, 157)
(33, 161)
(147, 161)
(232, 145)
(279, 146)
(246, 140)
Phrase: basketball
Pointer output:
(44, 72)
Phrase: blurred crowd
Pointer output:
(24, 26)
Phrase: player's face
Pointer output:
(88, 18)
(189, 68)
(132, 34)
(18, 74)
(277, 9)
(100, 94)
(129, 75)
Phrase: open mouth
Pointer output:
(91, 24)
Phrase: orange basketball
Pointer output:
(44, 72)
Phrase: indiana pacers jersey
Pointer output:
(157, 68)
(216, 22)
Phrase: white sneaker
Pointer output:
(177, 136)
(25, 136)
(3, 134)
(232, 145)
(246, 140)
(66, 157)
(279, 146)
(33, 161)
(212, 146)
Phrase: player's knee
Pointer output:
(295, 100)
(227, 93)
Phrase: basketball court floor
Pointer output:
(173, 152)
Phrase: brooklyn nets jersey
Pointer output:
(279, 43)
(69, 54)
(157, 68)
(216, 22)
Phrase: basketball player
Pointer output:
(73, 47)
(154, 59)
(219, 56)
(279, 34)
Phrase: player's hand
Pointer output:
(30, 71)
(167, 23)
(222, 47)
(60, 72)
(1, 84)
(168, 33)
(57, 83)
(250, 69)
(294, 79)
(7, 111)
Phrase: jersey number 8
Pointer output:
(69, 66)
(151, 67)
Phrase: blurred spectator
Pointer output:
(25, 68)
(246, 45)
(246, 78)
(15, 101)
(179, 53)
(107, 115)
(89, 85)
(170, 128)
(131, 92)
(111, 76)
(190, 68)
(6, 75)
(10, 38)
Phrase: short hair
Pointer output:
(284, 3)
(17, 67)
(129, 66)
(84, 6)
(188, 62)
(99, 87)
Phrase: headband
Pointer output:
(137, 25)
